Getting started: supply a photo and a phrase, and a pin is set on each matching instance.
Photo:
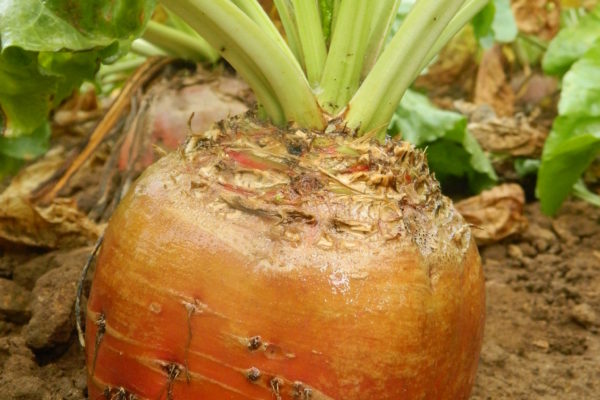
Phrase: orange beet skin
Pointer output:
(218, 279)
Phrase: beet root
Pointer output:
(259, 263)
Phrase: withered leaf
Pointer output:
(496, 213)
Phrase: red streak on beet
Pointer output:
(330, 150)
(357, 168)
(251, 161)
(236, 189)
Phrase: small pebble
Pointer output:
(515, 252)
(541, 344)
(584, 315)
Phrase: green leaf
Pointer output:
(15, 151)
(495, 23)
(529, 49)
(574, 140)
(563, 163)
(48, 48)
(526, 166)
(25, 94)
(69, 70)
(572, 43)
(34, 83)
(581, 190)
(451, 150)
(504, 25)
(482, 25)
(9, 166)
(581, 86)
(54, 25)
(27, 147)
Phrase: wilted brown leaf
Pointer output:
(537, 17)
(496, 213)
(492, 86)
(515, 135)
(59, 225)
(454, 69)
(509, 135)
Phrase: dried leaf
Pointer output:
(496, 213)
(59, 225)
(537, 17)
(509, 135)
(454, 69)
(492, 86)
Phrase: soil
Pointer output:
(542, 338)
(543, 302)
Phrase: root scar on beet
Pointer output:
(101, 322)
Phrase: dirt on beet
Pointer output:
(541, 338)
